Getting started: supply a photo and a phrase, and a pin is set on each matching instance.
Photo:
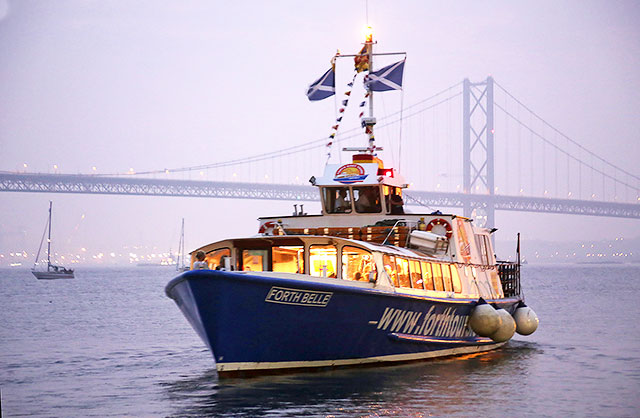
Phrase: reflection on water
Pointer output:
(439, 387)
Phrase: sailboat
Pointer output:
(180, 256)
(52, 271)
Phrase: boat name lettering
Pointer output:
(298, 297)
(448, 324)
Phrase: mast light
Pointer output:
(368, 33)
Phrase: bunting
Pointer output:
(334, 128)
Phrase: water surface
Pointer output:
(110, 343)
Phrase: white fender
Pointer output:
(484, 320)
(526, 320)
(507, 327)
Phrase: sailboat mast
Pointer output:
(180, 258)
(49, 237)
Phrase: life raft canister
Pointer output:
(439, 223)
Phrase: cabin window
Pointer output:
(402, 266)
(289, 259)
(337, 199)
(323, 260)
(482, 247)
(357, 263)
(367, 199)
(389, 262)
(446, 276)
(215, 258)
(416, 274)
(255, 260)
(393, 198)
(427, 277)
(437, 276)
(487, 244)
(455, 278)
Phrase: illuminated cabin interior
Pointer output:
(335, 258)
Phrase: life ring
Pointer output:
(442, 223)
(267, 228)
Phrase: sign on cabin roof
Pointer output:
(359, 175)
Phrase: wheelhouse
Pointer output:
(364, 186)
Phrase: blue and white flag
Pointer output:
(323, 87)
(387, 78)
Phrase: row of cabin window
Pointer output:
(365, 199)
(416, 274)
(357, 263)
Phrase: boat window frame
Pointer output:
(325, 203)
(298, 259)
(438, 282)
(407, 278)
(489, 246)
(428, 273)
(446, 277)
(455, 279)
(355, 201)
(336, 264)
(416, 284)
(392, 272)
(209, 255)
(265, 262)
(364, 276)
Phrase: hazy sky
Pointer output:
(151, 84)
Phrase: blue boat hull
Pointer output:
(262, 323)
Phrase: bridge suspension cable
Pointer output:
(569, 155)
(310, 145)
(561, 133)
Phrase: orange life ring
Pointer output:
(267, 228)
(443, 223)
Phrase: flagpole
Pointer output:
(370, 49)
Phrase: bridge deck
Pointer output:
(86, 184)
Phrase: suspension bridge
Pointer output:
(473, 146)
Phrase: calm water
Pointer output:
(109, 343)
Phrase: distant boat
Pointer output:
(52, 271)
(180, 256)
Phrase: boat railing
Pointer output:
(412, 226)
(509, 273)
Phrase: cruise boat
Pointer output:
(361, 283)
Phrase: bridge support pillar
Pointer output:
(477, 150)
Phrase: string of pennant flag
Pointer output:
(341, 111)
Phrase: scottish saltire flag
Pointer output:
(387, 78)
(323, 87)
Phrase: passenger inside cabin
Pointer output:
(368, 199)
(342, 203)
(221, 266)
(200, 264)
(394, 202)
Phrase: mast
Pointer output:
(180, 257)
(49, 238)
(372, 121)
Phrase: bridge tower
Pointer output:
(477, 150)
